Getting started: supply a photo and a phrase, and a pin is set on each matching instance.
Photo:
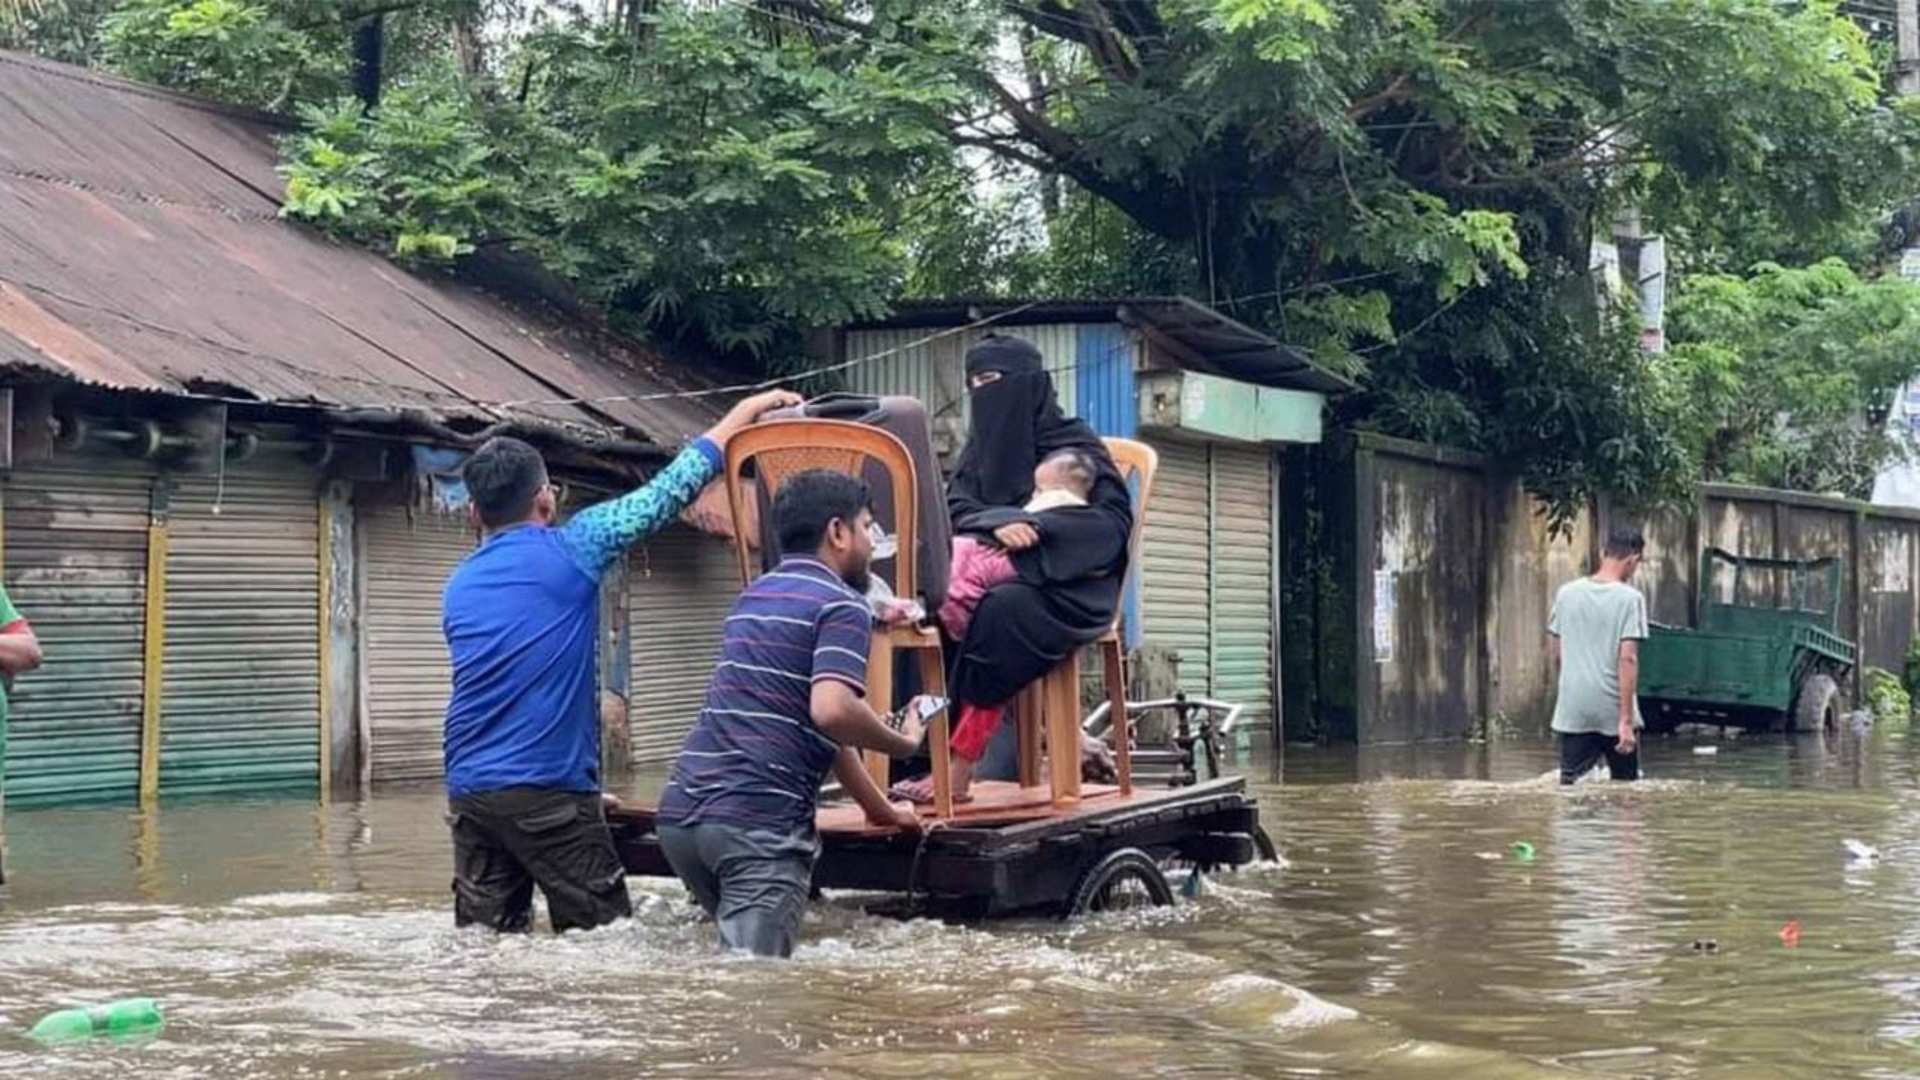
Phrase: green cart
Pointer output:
(1765, 656)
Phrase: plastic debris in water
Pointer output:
(1706, 751)
(127, 1019)
(1706, 945)
(1790, 934)
(1858, 852)
(1522, 851)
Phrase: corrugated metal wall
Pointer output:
(1175, 564)
(405, 561)
(76, 566)
(241, 657)
(1242, 601)
(1107, 355)
(911, 370)
(1209, 565)
(680, 584)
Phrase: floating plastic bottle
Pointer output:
(127, 1019)
(1522, 851)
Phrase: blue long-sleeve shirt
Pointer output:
(521, 615)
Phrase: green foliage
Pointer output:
(1888, 699)
(229, 49)
(1408, 188)
(1788, 373)
(695, 178)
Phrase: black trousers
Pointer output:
(1580, 753)
(506, 842)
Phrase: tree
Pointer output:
(1789, 374)
(1408, 188)
(697, 178)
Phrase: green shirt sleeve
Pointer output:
(8, 613)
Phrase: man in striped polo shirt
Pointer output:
(786, 703)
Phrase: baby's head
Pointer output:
(1066, 470)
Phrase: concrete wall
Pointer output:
(1418, 583)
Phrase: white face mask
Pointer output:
(884, 545)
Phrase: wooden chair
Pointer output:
(1053, 700)
(780, 449)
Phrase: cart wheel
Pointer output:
(1125, 879)
(1817, 707)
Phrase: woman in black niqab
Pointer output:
(1067, 587)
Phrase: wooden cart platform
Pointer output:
(1012, 849)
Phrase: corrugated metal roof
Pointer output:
(1212, 341)
(141, 248)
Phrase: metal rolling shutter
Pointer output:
(240, 708)
(1174, 566)
(76, 566)
(1243, 581)
(405, 562)
(681, 585)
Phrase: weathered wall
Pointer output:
(1421, 590)
(1418, 583)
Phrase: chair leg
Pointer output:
(933, 680)
(880, 691)
(1063, 728)
(1031, 707)
(1114, 660)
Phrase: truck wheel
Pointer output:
(1817, 707)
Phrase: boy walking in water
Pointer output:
(1597, 626)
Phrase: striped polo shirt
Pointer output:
(754, 758)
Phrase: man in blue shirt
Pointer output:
(786, 703)
(521, 615)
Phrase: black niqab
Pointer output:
(1069, 586)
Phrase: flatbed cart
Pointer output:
(1049, 842)
(1012, 850)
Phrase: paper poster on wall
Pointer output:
(1383, 613)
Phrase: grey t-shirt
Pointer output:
(1591, 618)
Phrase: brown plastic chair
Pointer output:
(1054, 699)
(781, 449)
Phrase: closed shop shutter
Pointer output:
(1174, 566)
(405, 562)
(76, 566)
(681, 584)
(240, 708)
(1243, 518)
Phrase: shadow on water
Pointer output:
(1401, 938)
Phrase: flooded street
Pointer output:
(1403, 937)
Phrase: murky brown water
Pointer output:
(1402, 939)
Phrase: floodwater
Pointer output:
(1401, 938)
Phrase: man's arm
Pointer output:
(1629, 661)
(844, 716)
(852, 774)
(598, 534)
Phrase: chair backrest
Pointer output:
(781, 449)
(1137, 463)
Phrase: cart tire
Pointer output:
(1126, 878)
(1816, 709)
(1263, 845)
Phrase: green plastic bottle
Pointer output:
(128, 1019)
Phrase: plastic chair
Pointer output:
(1053, 700)
(781, 449)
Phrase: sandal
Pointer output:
(909, 791)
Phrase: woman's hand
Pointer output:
(1018, 536)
